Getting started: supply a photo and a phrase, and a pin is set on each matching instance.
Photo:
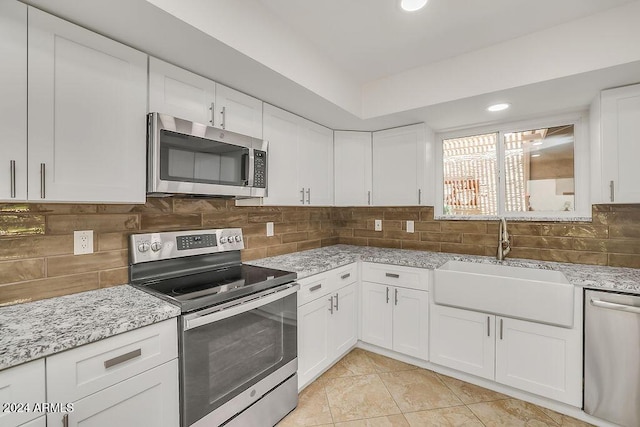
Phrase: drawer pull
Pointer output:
(315, 288)
(395, 276)
(345, 276)
(65, 420)
(122, 358)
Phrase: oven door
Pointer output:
(234, 354)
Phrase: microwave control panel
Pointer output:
(260, 169)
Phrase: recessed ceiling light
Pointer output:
(498, 107)
(412, 5)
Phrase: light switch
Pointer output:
(269, 229)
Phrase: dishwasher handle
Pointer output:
(615, 306)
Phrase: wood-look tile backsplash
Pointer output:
(36, 240)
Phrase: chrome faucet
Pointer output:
(504, 241)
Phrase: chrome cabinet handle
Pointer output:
(213, 112)
(500, 328)
(224, 117)
(302, 195)
(419, 195)
(387, 295)
(612, 189)
(368, 197)
(122, 358)
(393, 275)
(331, 304)
(345, 276)
(336, 306)
(65, 420)
(396, 296)
(308, 196)
(12, 167)
(615, 306)
(43, 190)
(315, 288)
(488, 326)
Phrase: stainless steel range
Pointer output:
(237, 331)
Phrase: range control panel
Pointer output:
(158, 246)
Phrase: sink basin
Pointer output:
(543, 296)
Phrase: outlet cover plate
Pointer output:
(83, 242)
(269, 229)
(378, 225)
(410, 227)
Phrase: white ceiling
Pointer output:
(371, 39)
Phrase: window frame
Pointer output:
(582, 204)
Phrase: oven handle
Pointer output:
(195, 320)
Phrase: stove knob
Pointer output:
(156, 246)
(143, 247)
(223, 239)
(238, 238)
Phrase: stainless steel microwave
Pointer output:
(191, 158)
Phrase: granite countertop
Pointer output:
(41, 328)
(316, 261)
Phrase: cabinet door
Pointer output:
(542, 359)
(13, 101)
(462, 340)
(180, 93)
(411, 322)
(281, 132)
(86, 111)
(38, 422)
(315, 168)
(238, 112)
(398, 166)
(620, 148)
(352, 162)
(148, 399)
(22, 384)
(377, 315)
(314, 352)
(344, 321)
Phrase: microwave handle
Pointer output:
(247, 174)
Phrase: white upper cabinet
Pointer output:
(352, 162)
(13, 101)
(300, 160)
(620, 151)
(86, 115)
(401, 165)
(183, 94)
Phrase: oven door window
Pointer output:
(224, 358)
(186, 158)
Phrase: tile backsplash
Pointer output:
(36, 240)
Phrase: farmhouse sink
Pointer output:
(543, 296)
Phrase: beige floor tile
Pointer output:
(470, 393)
(511, 413)
(354, 363)
(313, 408)
(359, 397)
(386, 364)
(447, 417)
(388, 421)
(418, 390)
(563, 420)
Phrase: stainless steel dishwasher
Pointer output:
(612, 357)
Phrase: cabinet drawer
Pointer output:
(76, 373)
(394, 275)
(315, 286)
(346, 275)
(23, 384)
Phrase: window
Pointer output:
(525, 170)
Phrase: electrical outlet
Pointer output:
(410, 227)
(378, 225)
(83, 242)
(269, 229)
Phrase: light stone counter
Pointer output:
(316, 261)
(41, 328)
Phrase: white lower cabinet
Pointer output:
(22, 385)
(395, 318)
(38, 422)
(533, 357)
(327, 320)
(148, 399)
